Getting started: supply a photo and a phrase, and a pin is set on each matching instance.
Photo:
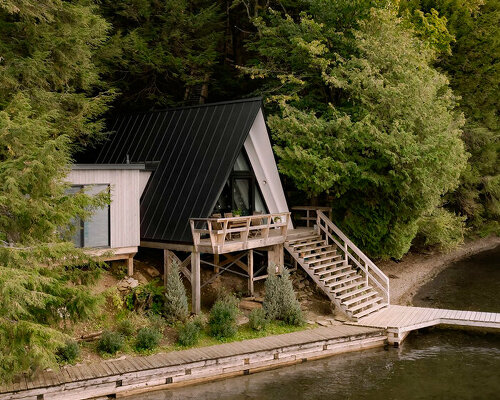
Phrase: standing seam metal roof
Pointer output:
(196, 148)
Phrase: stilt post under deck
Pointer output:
(276, 256)
(250, 272)
(216, 262)
(166, 265)
(195, 282)
(130, 264)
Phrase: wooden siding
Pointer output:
(125, 196)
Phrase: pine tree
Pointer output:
(176, 303)
(50, 101)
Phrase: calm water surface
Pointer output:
(433, 364)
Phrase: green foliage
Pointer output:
(366, 125)
(69, 352)
(280, 302)
(161, 50)
(51, 99)
(125, 328)
(222, 319)
(189, 333)
(146, 297)
(257, 319)
(110, 342)
(148, 338)
(442, 228)
(176, 303)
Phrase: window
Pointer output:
(241, 191)
(94, 232)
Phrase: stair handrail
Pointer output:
(369, 268)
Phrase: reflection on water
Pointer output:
(434, 364)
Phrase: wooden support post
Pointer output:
(166, 265)
(130, 264)
(276, 256)
(216, 262)
(195, 282)
(250, 272)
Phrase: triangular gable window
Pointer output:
(241, 194)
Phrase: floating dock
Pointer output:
(399, 321)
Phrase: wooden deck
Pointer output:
(401, 320)
(132, 375)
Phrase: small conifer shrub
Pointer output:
(69, 352)
(126, 328)
(280, 302)
(110, 342)
(176, 303)
(258, 320)
(222, 319)
(148, 338)
(189, 333)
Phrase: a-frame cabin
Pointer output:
(215, 188)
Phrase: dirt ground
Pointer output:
(416, 269)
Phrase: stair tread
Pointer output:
(315, 267)
(303, 238)
(365, 303)
(370, 310)
(337, 276)
(294, 246)
(341, 289)
(322, 259)
(337, 283)
(371, 293)
(333, 271)
(319, 254)
(354, 292)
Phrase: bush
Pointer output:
(148, 338)
(441, 228)
(257, 319)
(222, 319)
(110, 342)
(280, 302)
(126, 328)
(69, 352)
(189, 333)
(147, 297)
(176, 303)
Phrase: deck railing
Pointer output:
(223, 231)
(308, 214)
(352, 254)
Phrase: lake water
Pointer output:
(431, 364)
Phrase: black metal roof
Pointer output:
(195, 147)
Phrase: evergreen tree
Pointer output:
(176, 304)
(50, 100)
(363, 116)
(161, 52)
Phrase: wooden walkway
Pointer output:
(131, 375)
(400, 320)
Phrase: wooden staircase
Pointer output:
(351, 281)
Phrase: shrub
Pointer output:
(126, 328)
(148, 338)
(222, 319)
(110, 342)
(147, 297)
(156, 321)
(280, 302)
(441, 228)
(69, 352)
(189, 333)
(257, 319)
(176, 303)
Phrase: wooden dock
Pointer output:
(399, 321)
(132, 375)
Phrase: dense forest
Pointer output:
(386, 110)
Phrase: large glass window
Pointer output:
(241, 192)
(94, 232)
